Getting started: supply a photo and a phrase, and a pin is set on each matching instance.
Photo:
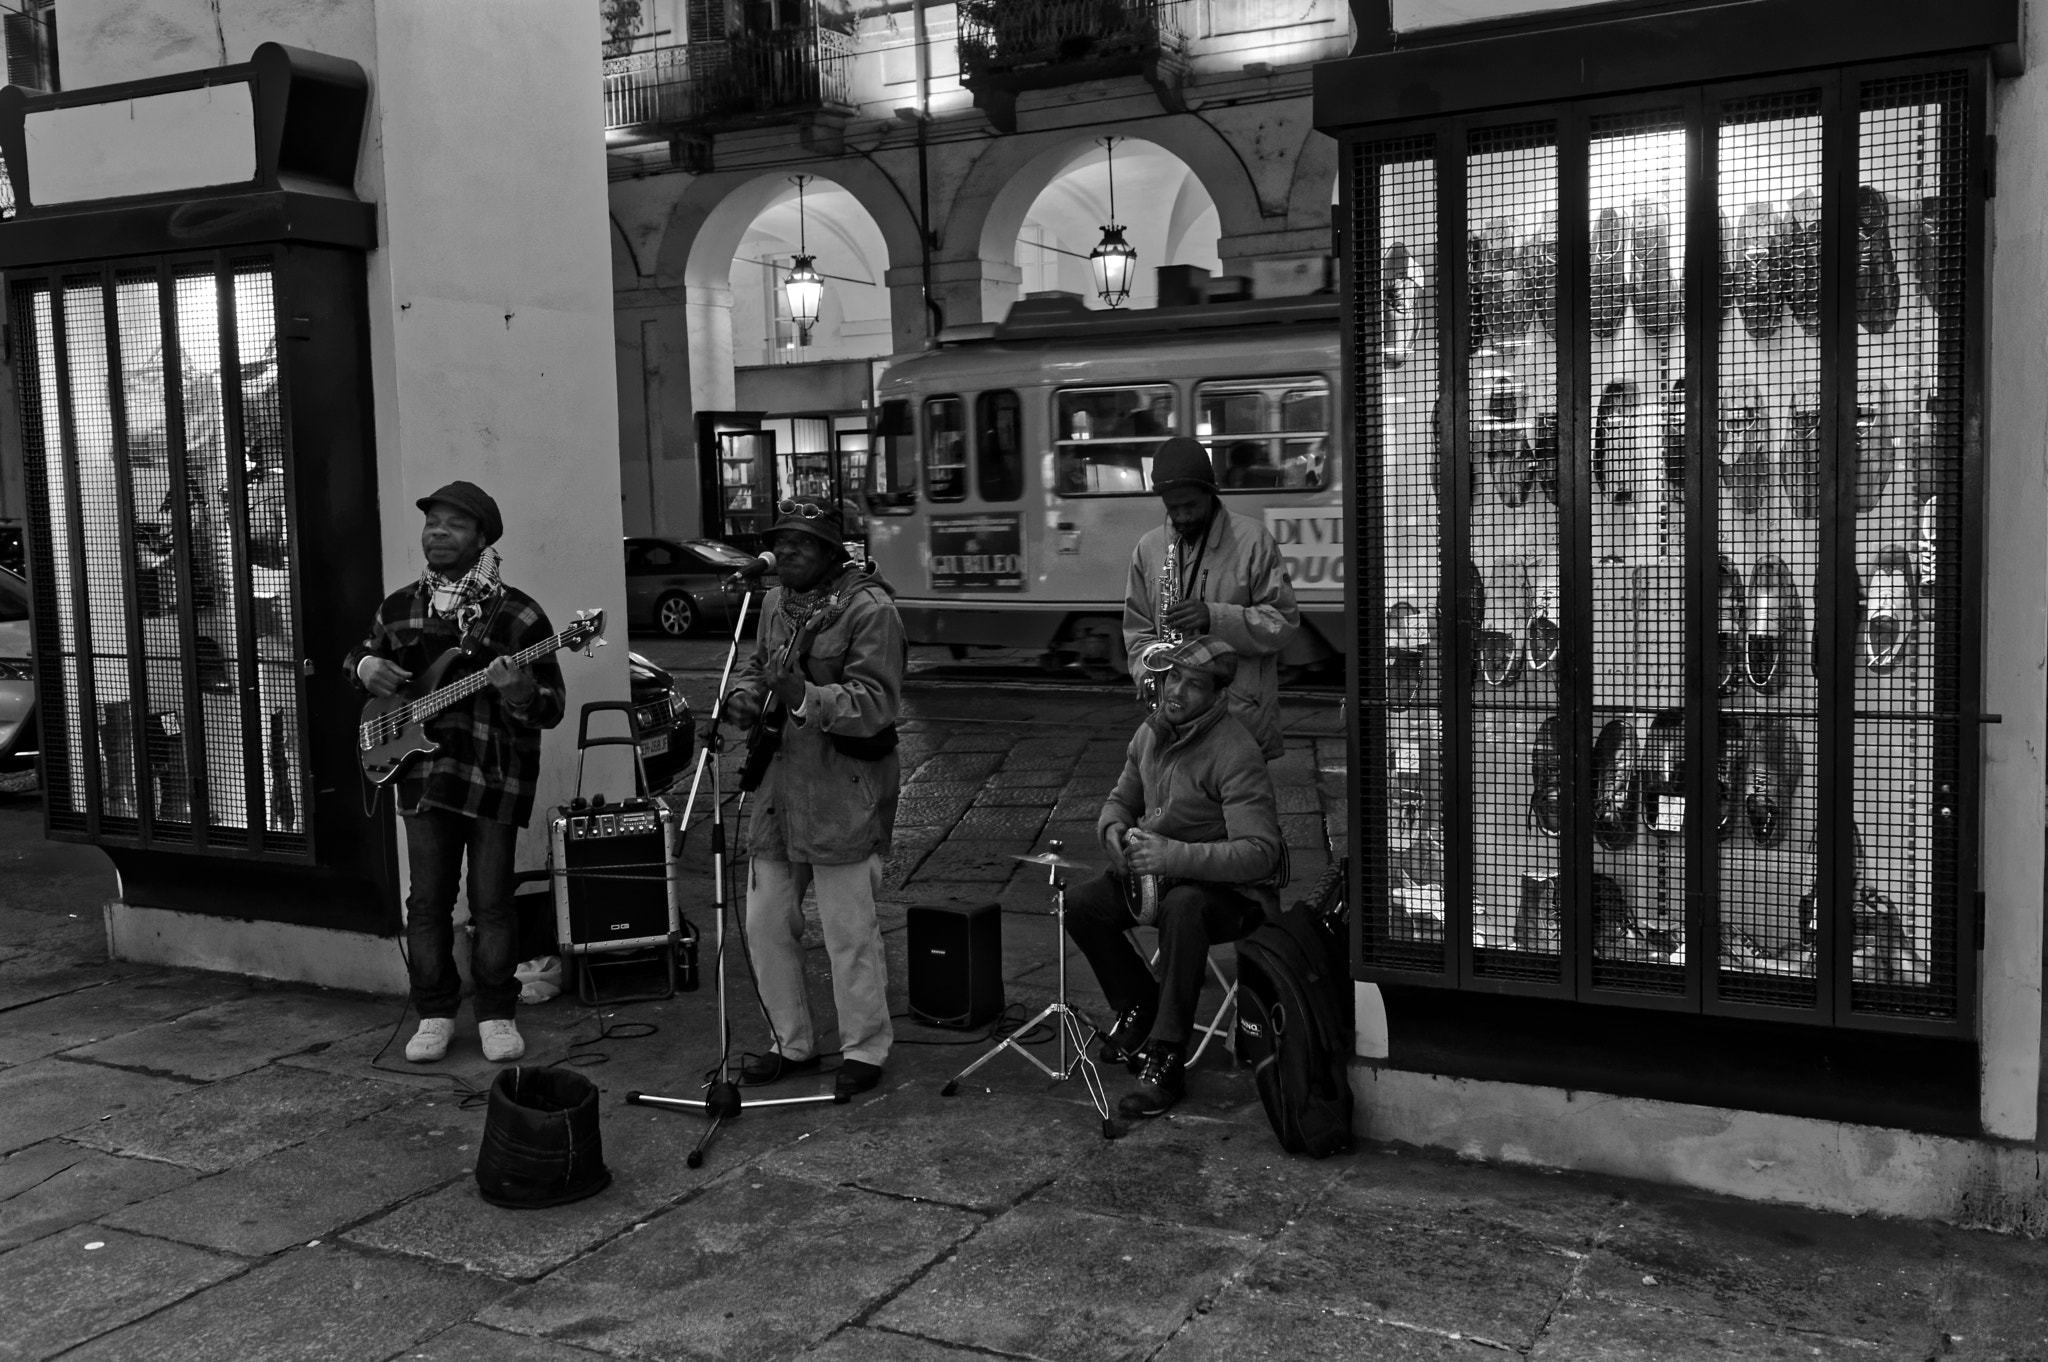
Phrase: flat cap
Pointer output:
(474, 501)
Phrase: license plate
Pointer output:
(655, 746)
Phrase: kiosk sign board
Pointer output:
(977, 552)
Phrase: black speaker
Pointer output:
(956, 963)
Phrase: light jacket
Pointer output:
(816, 804)
(1251, 607)
(1206, 787)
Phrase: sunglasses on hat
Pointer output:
(809, 510)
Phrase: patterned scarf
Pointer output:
(798, 608)
(466, 596)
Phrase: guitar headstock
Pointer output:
(586, 632)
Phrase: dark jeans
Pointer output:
(1192, 918)
(435, 842)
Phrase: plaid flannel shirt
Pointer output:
(489, 763)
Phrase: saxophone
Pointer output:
(1169, 594)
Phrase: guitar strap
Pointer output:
(473, 639)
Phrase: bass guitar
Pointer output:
(393, 731)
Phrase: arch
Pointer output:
(714, 213)
(625, 260)
(1312, 196)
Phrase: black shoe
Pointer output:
(1664, 774)
(1674, 440)
(1802, 260)
(1731, 773)
(1124, 1042)
(1760, 270)
(1731, 608)
(1777, 764)
(1876, 449)
(1652, 289)
(1877, 270)
(1543, 454)
(1616, 785)
(1799, 468)
(855, 1077)
(1546, 775)
(771, 1066)
(1611, 438)
(1775, 619)
(1162, 1083)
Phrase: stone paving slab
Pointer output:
(236, 1036)
(325, 1304)
(29, 923)
(35, 975)
(1613, 1331)
(54, 1185)
(475, 1343)
(883, 1345)
(1497, 1288)
(51, 1096)
(237, 1119)
(1014, 776)
(1861, 1278)
(644, 1148)
(1433, 1190)
(1248, 1326)
(972, 767)
(1014, 825)
(1067, 1286)
(307, 1191)
(714, 1278)
(1995, 1297)
(1039, 797)
(985, 862)
(75, 1019)
(61, 1293)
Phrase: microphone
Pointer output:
(761, 565)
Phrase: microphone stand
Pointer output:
(721, 1100)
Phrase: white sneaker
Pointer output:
(430, 1042)
(502, 1041)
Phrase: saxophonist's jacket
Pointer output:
(1251, 607)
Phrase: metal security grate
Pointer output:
(155, 451)
(1910, 227)
(1768, 475)
(1394, 199)
(1639, 822)
(1511, 596)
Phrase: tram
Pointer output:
(1009, 475)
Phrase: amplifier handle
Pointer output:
(584, 742)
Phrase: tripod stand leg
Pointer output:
(1008, 1042)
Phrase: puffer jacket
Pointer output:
(1207, 788)
(1251, 607)
(816, 804)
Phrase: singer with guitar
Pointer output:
(820, 697)
(1193, 813)
(472, 793)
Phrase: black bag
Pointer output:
(541, 1145)
(1294, 1023)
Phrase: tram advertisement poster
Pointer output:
(977, 552)
(1311, 542)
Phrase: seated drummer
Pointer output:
(1194, 806)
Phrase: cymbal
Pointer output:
(1052, 858)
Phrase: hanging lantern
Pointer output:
(805, 289)
(803, 285)
(1114, 261)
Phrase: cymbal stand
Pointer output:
(721, 1100)
(1069, 1028)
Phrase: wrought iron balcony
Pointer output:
(747, 78)
(1009, 46)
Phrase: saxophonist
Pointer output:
(1211, 571)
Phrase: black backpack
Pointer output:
(1294, 1019)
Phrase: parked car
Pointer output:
(18, 727)
(674, 585)
(668, 730)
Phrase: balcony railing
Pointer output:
(1002, 36)
(736, 79)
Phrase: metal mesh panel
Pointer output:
(1767, 551)
(1910, 224)
(1636, 185)
(269, 552)
(1395, 220)
(51, 558)
(213, 546)
(1513, 596)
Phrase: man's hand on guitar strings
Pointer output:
(382, 677)
(788, 687)
(742, 707)
(516, 684)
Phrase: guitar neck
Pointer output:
(427, 706)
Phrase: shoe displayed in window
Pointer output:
(1937, 254)
(1761, 269)
(1539, 281)
(1731, 771)
(1876, 448)
(1664, 774)
(1400, 294)
(1408, 640)
(1500, 433)
(1888, 623)
(1802, 261)
(1877, 271)
(1775, 618)
(1731, 626)
(1776, 765)
(1496, 652)
(1612, 437)
(1543, 455)
(1799, 466)
(1542, 635)
(1746, 450)
(1546, 777)
(1609, 273)
(1616, 785)
(1652, 289)
(1537, 925)
(1673, 435)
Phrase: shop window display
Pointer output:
(1662, 488)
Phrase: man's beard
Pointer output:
(1198, 528)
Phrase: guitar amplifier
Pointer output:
(615, 881)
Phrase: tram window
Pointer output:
(998, 446)
(1265, 433)
(945, 449)
(1107, 436)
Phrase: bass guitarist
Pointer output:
(820, 696)
(474, 794)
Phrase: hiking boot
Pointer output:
(501, 1038)
(1162, 1082)
(1124, 1042)
(430, 1042)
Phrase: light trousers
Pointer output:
(853, 945)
